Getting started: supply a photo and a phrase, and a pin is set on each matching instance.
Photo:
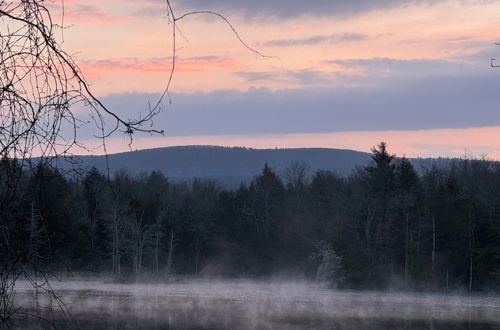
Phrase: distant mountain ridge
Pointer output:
(231, 165)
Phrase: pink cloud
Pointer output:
(157, 65)
(78, 11)
(88, 14)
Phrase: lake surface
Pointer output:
(254, 305)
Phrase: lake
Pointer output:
(277, 305)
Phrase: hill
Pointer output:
(228, 165)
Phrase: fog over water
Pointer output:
(238, 304)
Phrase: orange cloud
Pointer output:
(151, 74)
(158, 65)
(449, 30)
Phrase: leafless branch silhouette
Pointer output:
(493, 60)
(40, 87)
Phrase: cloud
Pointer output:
(317, 39)
(378, 67)
(428, 103)
(301, 77)
(371, 71)
(89, 14)
(295, 8)
(157, 65)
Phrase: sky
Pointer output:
(339, 73)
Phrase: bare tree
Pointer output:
(40, 85)
(116, 233)
(170, 259)
(330, 264)
(471, 228)
(40, 88)
(296, 175)
(140, 235)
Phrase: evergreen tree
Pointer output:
(96, 194)
(409, 186)
(50, 191)
(381, 216)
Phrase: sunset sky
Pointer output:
(344, 74)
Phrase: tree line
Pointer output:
(386, 225)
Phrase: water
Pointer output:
(256, 305)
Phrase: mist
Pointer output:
(258, 304)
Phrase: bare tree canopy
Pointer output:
(40, 83)
(42, 94)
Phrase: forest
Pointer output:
(385, 226)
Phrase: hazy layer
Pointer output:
(258, 305)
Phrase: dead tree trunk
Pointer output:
(170, 258)
(407, 256)
(157, 249)
(433, 256)
(142, 234)
(367, 230)
(471, 228)
(116, 243)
